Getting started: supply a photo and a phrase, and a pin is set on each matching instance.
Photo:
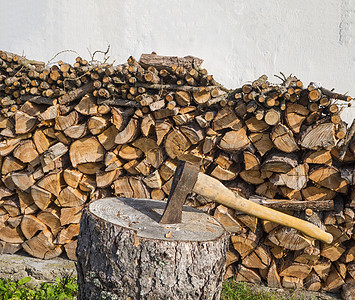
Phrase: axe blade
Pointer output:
(185, 177)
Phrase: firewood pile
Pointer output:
(74, 133)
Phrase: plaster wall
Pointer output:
(239, 40)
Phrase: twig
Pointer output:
(63, 51)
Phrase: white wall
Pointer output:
(239, 40)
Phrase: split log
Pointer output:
(283, 139)
(318, 136)
(261, 142)
(51, 218)
(295, 115)
(289, 238)
(128, 134)
(27, 153)
(42, 246)
(329, 177)
(70, 197)
(30, 225)
(86, 150)
(176, 143)
(87, 105)
(273, 278)
(24, 123)
(298, 270)
(279, 162)
(225, 216)
(234, 140)
(41, 197)
(295, 179)
(70, 249)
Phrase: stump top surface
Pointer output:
(143, 215)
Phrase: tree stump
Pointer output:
(124, 253)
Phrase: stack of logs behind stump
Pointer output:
(74, 133)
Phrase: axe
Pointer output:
(188, 179)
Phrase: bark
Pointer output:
(103, 271)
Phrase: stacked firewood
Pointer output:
(74, 133)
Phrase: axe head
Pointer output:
(185, 177)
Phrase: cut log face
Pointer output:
(296, 270)
(107, 138)
(161, 130)
(26, 152)
(283, 139)
(259, 259)
(252, 176)
(104, 179)
(87, 106)
(168, 238)
(313, 193)
(176, 143)
(128, 152)
(295, 115)
(63, 122)
(318, 157)
(225, 216)
(67, 234)
(41, 141)
(279, 162)
(226, 118)
(50, 217)
(42, 246)
(51, 183)
(23, 181)
(41, 197)
(70, 197)
(76, 131)
(72, 177)
(267, 189)
(128, 134)
(248, 275)
(24, 123)
(11, 235)
(295, 179)
(97, 125)
(70, 215)
(255, 125)
(183, 98)
(30, 225)
(243, 245)
(11, 164)
(193, 132)
(289, 238)
(261, 142)
(225, 174)
(251, 161)
(234, 140)
(86, 150)
(8, 145)
(329, 177)
(153, 180)
(318, 136)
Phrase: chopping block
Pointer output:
(124, 252)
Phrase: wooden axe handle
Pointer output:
(213, 189)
